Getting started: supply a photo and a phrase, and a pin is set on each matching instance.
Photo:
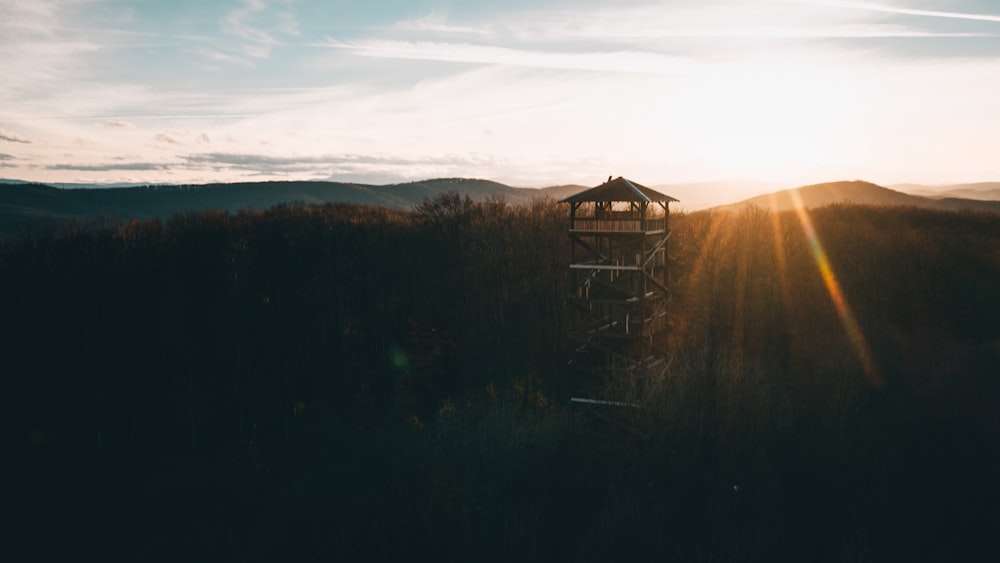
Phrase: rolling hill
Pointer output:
(857, 192)
(23, 202)
(986, 191)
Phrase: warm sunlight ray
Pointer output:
(708, 242)
(851, 326)
(779, 249)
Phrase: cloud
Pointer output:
(258, 164)
(4, 156)
(438, 24)
(355, 167)
(248, 161)
(631, 39)
(848, 31)
(164, 138)
(246, 22)
(288, 24)
(219, 56)
(38, 49)
(656, 25)
(131, 166)
(873, 7)
(12, 137)
(619, 61)
(362, 103)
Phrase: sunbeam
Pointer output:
(779, 233)
(851, 327)
(708, 243)
(779, 247)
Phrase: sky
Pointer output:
(529, 93)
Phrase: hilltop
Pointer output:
(21, 202)
(860, 193)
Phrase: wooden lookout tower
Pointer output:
(619, 232)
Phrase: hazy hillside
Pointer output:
(858, 192)
(23, 203)
(560, 192)
(20, 203)
(986, 191)
(695, 196)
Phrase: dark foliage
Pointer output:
(354, 383)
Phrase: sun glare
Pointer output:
(766, 118)
(844, 311)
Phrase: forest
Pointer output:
(346, 382)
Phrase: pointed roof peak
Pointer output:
(619, 189)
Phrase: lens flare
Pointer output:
(851, 327)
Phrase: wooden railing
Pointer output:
(619, 224)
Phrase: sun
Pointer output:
(771, 119)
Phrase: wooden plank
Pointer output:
(605, 267)
(596, 232)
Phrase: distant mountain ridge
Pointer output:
(21, 202)
(856, 192)
(987, 191)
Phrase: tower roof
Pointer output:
(619, 189)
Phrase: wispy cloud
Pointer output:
(220, 57)
(29, 17)
(883, 8)
(658, 24)
(251, 22)
(12, 137)
(343, 167)
(288, 24)
(117, 124)
(522, 91)
(259, 42)
(165, 138)
(248, 161)
(620, 61)
(35, 50)
(846, 31)
(438, 24)
(182, 137)
(112, 167)
(5, 156)
(252, 161)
